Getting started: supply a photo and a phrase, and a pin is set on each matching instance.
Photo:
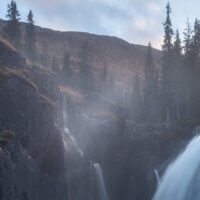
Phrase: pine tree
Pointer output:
(66, 72)
(103, 80)
(85, 69)
(188, 68)
(54, 66)
(136, 99)
(150, 97)
(105, 72)
(167, 68)
(12, 29)
(196, 40)
(177, 45)
(187, 39)
(195, 67)
(30, 38)
(167, 46)
(179, 81)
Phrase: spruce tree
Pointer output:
(196, 40)
(12, 29)
(103, 80)
(177, 45)
(150, 97)
(167, 69)
(167, 46)
(187, 40)
(178, 78)
(105, 72)
(188, 68)
(30, 38)
(66, 71)
(195, 67)
(54, 65)
(136, 99)
(85, 69)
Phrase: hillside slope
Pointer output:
(123, 59)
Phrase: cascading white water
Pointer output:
(100, 182)
(157, 176)
(67, 130)
(181, 181)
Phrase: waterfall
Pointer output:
(181, 181)
(100, 182)
(97, 168)
(67, 130)
(157, 176)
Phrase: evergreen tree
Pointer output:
(195, 69)
(30, 38)
(178, 78)
(54, 66)
(197, 65)
(136, 99)
(66, 71)
(105, 72)
(85, 69)
(187, 40)
(196, 40)
(12, 29)
(188, 68)
(167, 46)
(167, 69)
(150, 98)
(103, 80)
(177, 45)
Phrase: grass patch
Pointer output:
(6, 136)
(47, 100)
(7, 73)
(8, 44)
(101, 114)
(72, 95)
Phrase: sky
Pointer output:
(136, 21)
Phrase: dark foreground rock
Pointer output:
(31, 150)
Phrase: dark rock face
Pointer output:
(32, 163)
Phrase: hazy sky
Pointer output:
(137, 21)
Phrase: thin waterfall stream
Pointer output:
(100, 179)
(97, 168)
(157, 176)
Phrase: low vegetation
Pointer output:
(6, 136)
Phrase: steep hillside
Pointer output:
(123, 59)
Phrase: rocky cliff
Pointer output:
(31, 149)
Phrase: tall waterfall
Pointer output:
(100, 182)
(67, 130)
(181, 181)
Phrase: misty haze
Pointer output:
(99, 100)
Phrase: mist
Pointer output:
(86, 116)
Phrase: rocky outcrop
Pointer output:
(32, 160)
